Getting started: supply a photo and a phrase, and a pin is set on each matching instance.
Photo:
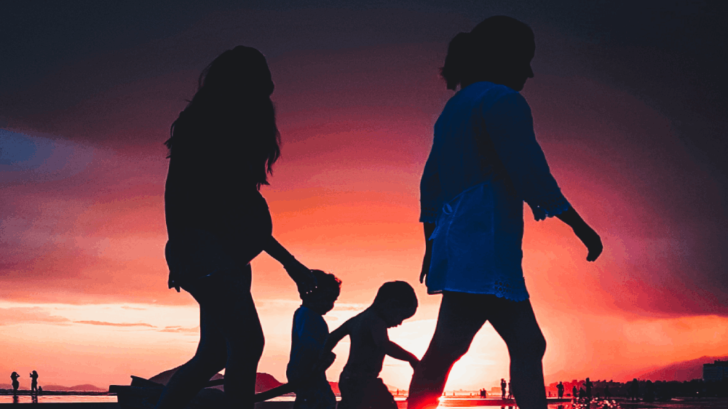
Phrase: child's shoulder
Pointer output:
(306, 315)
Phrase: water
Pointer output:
(60, 398)
(677, 403)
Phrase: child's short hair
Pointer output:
(324, 282)
(399, 293)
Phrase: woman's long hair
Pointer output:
(229, 125)
(489, 49)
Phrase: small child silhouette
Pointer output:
(307, 341)
(360, 385)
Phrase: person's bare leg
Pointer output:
(192, 376)
(460, 318)
(244, 339)
(516, 324)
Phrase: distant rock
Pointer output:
(77, 388)
(680, 371)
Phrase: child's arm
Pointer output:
(397, 352)
(297, 271)
(327, 357)
(381, 340)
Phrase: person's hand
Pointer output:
(324, 362)
(591, 240)
(305, 281)
(426, 264)
(413, 363)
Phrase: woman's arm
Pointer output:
(327, 356)
(429, 228)
(297, 271)
(510, 127)
(584, 232)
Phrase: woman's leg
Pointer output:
(240, 325)
(461, 317)
(192, 376)
(516, 324)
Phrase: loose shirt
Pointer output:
(484, 163)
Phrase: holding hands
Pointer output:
(303, 277)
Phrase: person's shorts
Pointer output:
(364, 393)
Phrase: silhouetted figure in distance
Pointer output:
(588, 384)
(221, 150)
(634, 389)
(510, 391)
(503, 388)
(34, 382)
(484, 163)
(40, 390)
(14, 376)
(359, 383)
(574, 392)
(560, 388)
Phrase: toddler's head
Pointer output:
(395, 302)
(328, 288)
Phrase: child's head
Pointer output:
(322, 299)
(395, 302)
(499, 50)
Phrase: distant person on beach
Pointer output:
(221, 150)
(503, 388)
(40, 390)
(588, 384)
(560, 388)
(484, 163)
(14, 376)
(359, 383)
(574, 392)
(34, 382)
(634, 389)
(307, 343)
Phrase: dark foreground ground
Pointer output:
(707, 403)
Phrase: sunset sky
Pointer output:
(629, 101)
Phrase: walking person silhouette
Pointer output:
(221, 149)
(14, 377)
(34, 382)
(484, 163)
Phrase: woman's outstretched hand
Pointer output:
(299, 273)
(303, 277)
(591, 240)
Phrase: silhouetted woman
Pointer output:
(223, 146)
(485, 162)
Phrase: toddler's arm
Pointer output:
(327, 357)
